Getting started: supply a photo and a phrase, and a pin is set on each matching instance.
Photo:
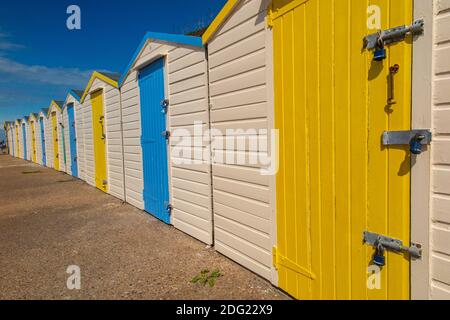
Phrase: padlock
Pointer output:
(379, 54)
(416, 144)
(378, 258)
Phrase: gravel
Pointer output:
(50, 221)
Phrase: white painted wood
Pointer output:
(420, 171)
(239, 80)
(113, 131)
(186, 89)
(440, 168)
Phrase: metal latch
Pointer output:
(414, 138)
(166, 134)
(164, 105)
(379, 40)
(382, 243)
(168, 207)
(105, 182)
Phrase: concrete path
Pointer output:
(50, 221)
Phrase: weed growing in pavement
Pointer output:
(206, 277)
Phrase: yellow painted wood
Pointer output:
(98, 122)
(33, 141)
(335, 179)
(55, 141)
(100, 76)
(17, 141)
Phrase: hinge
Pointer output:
(281, 261)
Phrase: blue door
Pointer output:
(44, 156)
(24, 136)
(73, 140)
(154, 143)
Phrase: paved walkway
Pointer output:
(49, 221)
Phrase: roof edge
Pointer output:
(167, 37)
(218, 20)
(98, 75)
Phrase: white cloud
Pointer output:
(69, 77)
(6, 44)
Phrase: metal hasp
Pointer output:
(379, 40)
(165, 105)
(414, 138)
(383, 243)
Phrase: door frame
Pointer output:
(43, 141)
(422, 70)
(24, 140)
(168, 123)
(72, 139)
(102, 90)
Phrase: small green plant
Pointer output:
(206, 277)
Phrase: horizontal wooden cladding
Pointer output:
(441, 92)
(249, 96)
(441, 64)
(441, 208)
(440, 240)
(188, 104)
(235, 67)
(241, 81)
(442, 32)
(244, 253)
(254, 43)
(189, 119)
(441, 151)
(442, 5)
(241, 203)
(244, 189)
(441, 121)
(246, 112)
(441, 179)
(249, 175)
(440, 269)
(238, 33)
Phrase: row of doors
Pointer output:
(54, 125)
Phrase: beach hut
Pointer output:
(102, 133)
(43, 136)
(164, 94)
(9, 138)
(32, 134)
(54, 141)
(239, 51)
(69, 124)
(25, 138)
(17, 135)
(352, 176)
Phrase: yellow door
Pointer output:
(98, 121)
(33, 138)
(55, 141)
(336, 180)
(18, 143)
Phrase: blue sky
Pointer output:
(40, 58)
